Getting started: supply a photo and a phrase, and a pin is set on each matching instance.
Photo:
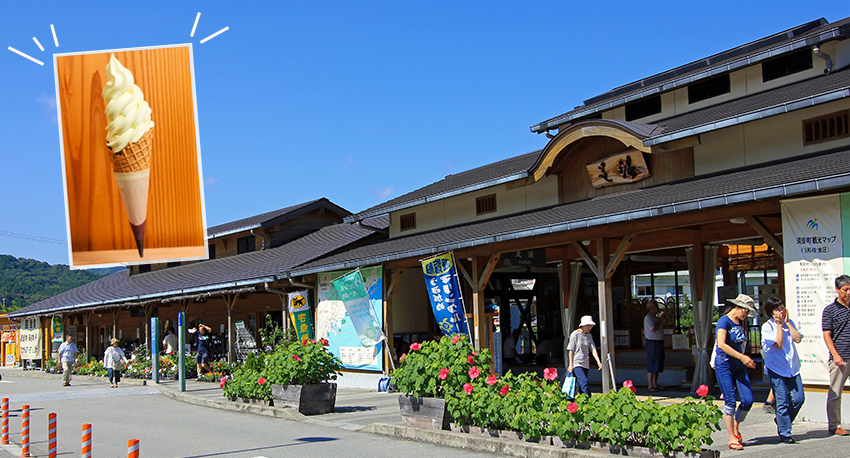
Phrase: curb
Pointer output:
(268, 411)
(508, 447)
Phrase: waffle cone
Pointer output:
(135, 156)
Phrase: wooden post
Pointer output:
(86, 316)
(481, 275)
(115, 312)
(606, 313)
(394, 277)
(148, 309)
(230, 302)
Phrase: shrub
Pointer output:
(441, 367)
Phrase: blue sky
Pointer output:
(358, 102)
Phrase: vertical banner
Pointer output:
(301, 315)
(813, 245)
(56, 323)
(30, 339)
(334, 323)
(444, 294)
(354, 295)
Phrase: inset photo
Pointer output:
(131, 160)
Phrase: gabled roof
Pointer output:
(245, 269)
(805, 35)
(273, 217)
(786, 178)
(482, 177)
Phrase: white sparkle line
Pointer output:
(39, 44)
(24, 55)
(215, 34)
(198, 17)
(55, 41)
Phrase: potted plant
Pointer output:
(300, 374)
(430, 372)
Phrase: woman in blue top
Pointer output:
(778, 336)
(731, 366)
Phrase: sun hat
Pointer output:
(114, 341)
(585, 320)
(744, 301)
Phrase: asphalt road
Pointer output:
(169, 428)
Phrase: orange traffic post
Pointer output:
(51, 435)
(86, 450)
(133, 448)
(25, 430)
(4, 432)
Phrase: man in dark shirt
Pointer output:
(204, 348)
(836, 334)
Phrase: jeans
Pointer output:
(735, 386)
(581, 380)
(114, 373)
(789, 398)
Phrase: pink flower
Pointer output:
(223, 380)
(261, 381)
(221, 385)
(628, 384)
(403, 355)
(415, 346)
(491, 380)
(702, 390)
(455, 339)
(304, 341)
(324, 341)
(468, 388)
(550, 373)
(474, 372)
(504, 390)
(444, 372)
(470, 360)
(296, 358)
(572, 407)
(474, 354)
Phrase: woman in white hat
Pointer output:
(580, 348)
(731, 365)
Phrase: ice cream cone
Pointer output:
(131, 168)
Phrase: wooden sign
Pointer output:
(621, 168)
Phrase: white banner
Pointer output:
(30, 339)
(814, 255)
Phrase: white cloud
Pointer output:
(48, 106)
(210, 180)
(382, 193)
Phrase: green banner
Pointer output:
(56, 325)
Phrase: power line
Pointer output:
(31, 238)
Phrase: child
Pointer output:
(111, 358)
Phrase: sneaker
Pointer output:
(769, 408)
(788, 440)
(839, 431)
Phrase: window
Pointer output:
(245, 244)
(786, 65)
(643, 108)
(824, 128)
(211, 249)
(144, 268)
(485, 204)
(709, 88)
(408, 221)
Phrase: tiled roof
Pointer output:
(806, 35)
(489, 175)
(228, 272)
(272, 217)
(786, 178)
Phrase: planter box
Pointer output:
(259, 402)
(631, 450)
(316, 399)
(428, 413)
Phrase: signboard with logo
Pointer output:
(524, 258)
(621, 168)
(301, 315)
(813, 238)
(56, 325)
(30, 339)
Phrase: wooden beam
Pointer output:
(230, 303)
(618, 255)
(395, 276)
(769, 237)
(465, 274)
(488, 270)
(588, 259)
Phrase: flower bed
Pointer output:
(535, 407)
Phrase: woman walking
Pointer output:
(778, 338)
(731, 366)
(580, 348)
(111, 359)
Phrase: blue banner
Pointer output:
(444, 293)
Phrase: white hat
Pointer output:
(585, 320)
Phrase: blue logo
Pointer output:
(812, 224)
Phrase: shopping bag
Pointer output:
(569, 387)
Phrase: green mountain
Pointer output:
(27, 281)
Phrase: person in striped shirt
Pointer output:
(835, 323)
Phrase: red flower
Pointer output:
(221, 385)
(468, 388)
(455, 339)
(223, 380)
(628, 384)
(444, 372)
(702, 390)
(474, 372)
(415, 346)
(324, 341)
(572, 407)
(403, 355)
(296, 358)
(470, 360)
(304, 341)
(261, 381)
(491, 380)
(504, 390)
(550, 373)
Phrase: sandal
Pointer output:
(736, 446)
(653, 390)
(739, 437)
